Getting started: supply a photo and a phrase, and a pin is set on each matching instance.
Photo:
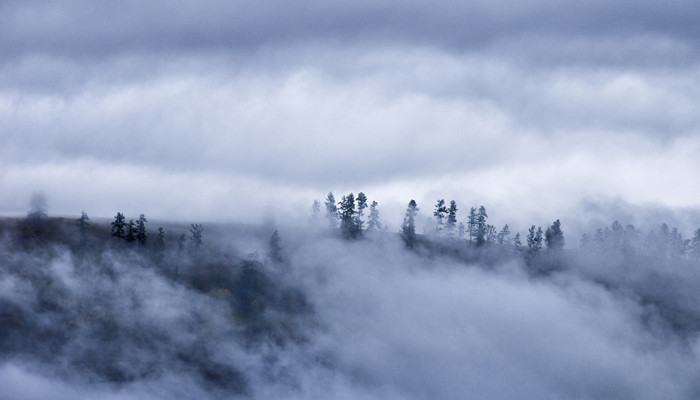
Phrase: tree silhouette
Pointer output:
(408, 228)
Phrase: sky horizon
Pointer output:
(584, 112)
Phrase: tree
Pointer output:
(274, 252)
(408, 228)
(141, 229)
(38, 209)
(516, 242)
(451, 224)
(83, 222)
(373, 224)
(534, 239)
(481, 226)
(315, 213)
(118, 226)
(472, 224)
(160, 239)
(361, 205)
(554, 237)
(196, 235)
(439, 214)
(181, 242)
(346, 212)
(331, 211)
(503, 235)
(695, 245)
(130, 232)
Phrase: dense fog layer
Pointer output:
(343, 319)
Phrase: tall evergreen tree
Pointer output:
(118, 226)
(451, 224)
(130, 231)
(373, 224)
(274, 252)
(160, 239)
(331, 211)
(408, 228)
(361, 205)
(83, 223)
(516, 242)
(534, 239)
(481, 226)
(503, 238)
(472, 224)
(346, 212)
(141, 235)
(554, 237)
(315, 213)
(181, 242)
(196, 235)
(439, 214)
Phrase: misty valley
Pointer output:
(344, 307)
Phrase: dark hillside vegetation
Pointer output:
(345, 308)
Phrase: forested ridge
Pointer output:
(236, 309)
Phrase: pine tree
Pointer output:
(118, 226)
(472, 224)
(503, 236)
(181, 242)
(451, 224)
(346, 212)
(554, 237)
(130, 232)
(481, 226)
(373, 224)
(331, 211)
(534, 239)
(439, 214)
(275, 249)
(196, 235)
(315, 213)
(408, 228)
(141, 235)
(361, 205)
(516, 242)
(160, 239)
(83, 223)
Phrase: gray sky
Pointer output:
(205, 110)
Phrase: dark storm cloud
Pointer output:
(86, 29)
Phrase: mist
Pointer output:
(324, 316)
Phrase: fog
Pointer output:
(343, 319)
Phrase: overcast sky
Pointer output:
(207, 110)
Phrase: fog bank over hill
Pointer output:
(314, 313)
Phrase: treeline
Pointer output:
(348, 217)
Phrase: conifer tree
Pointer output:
(141, 235)
(196, 235)
(408, 228)
(534, 239)
(439, 214)
(315, 213)
(361, 205)
(130, 231)
(503, 238)
(160, 239)
(373, 224)
(554, 237)
(181, 242)
(275, 249)
(516, 242)
(118, 226)
(481, 226)
(346, 212)
(451, 224)
(83, 223)
(331, 211)
(472, 224)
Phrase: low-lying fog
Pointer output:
(344, 319)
